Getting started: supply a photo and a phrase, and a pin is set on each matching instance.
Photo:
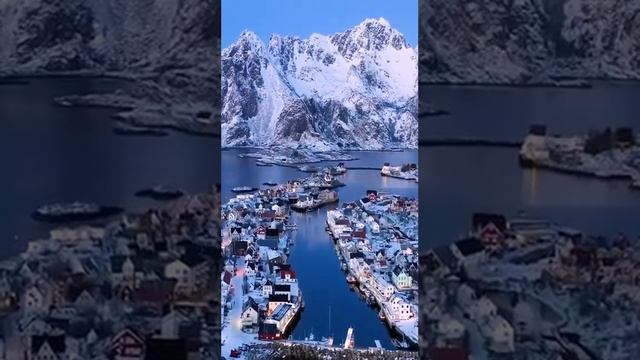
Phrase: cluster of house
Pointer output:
(531, 250)
(405, 171)
(377, 254)
(255, 243)
(132, 289)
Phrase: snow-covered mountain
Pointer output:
(356, 89)
(169, 47)
(528, 41)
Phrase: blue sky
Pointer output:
(303, 17)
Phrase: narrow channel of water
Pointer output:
(331, 306)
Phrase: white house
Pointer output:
(179, 271)
(450, 329)
(382, 286)
(267, 288)
(397, 309)
(250, 311)
(37, 298)
(482, 309)
(401, 279)
(124, 272)
(499, 334)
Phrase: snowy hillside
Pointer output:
(170, 48)
(528, 41)
(356, 89)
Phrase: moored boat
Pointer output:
(76, 211)
(242, 189)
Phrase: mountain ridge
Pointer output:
(316, 92)
(528, 41)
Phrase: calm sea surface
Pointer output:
(458, 181)
(52, 154)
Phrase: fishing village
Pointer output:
(140, 286)
(262, 296)
(606, 154)
(526, 288)
(377, 241)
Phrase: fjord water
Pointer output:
(331, 306)
(458, 181)
(53, 154)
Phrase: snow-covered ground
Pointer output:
(232, 335)
(354, 89)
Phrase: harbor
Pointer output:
(381, 258)
(313, 256)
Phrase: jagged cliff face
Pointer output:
(356, 89)
(172, 46)
(528, 41)
(102, 34)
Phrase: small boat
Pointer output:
(76, 211)
(343, 267)
(242, 189)
(381, 315)
(351, 279)
(269, 183)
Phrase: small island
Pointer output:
(405, 171)
(160, 193)
(607, 154)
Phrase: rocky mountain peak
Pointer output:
(369, 35)
(351, 90)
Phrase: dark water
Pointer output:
(505, 112)
(313, 256)
(52, 154)
(455, 182)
